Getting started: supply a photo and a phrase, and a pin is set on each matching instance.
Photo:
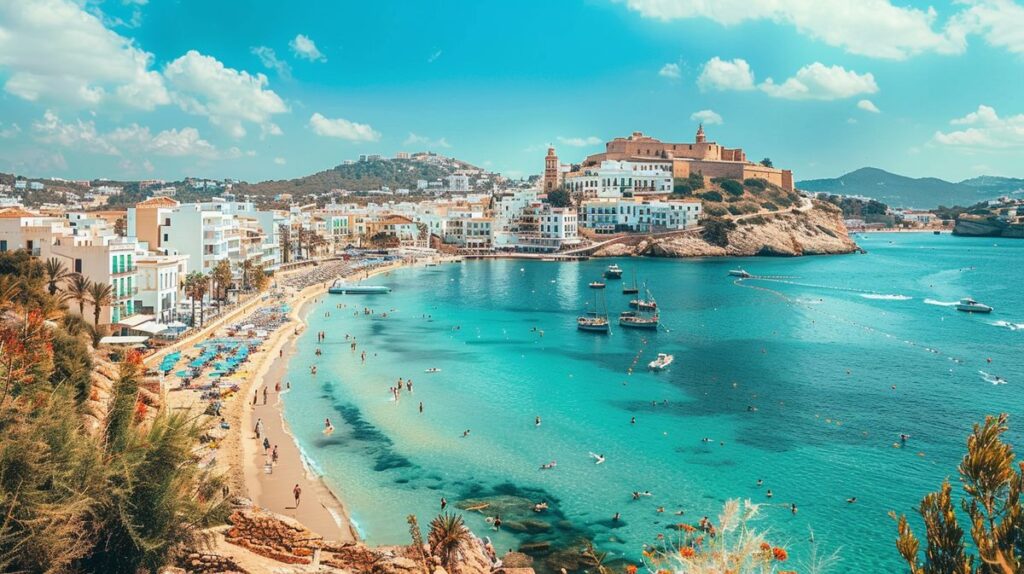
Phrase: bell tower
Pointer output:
(550, 171)
(700, 134)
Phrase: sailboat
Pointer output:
(639, 319)
(630, 289)
(595, 321)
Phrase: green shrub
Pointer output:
(681, 188)
(749, 207)
(755, 182)
(716, 231)
(711, 196)
(732, 187)
(696, 180)
(735, 209)
(715, 210)
(770, 206)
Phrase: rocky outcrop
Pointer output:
(817, 231)
(987, 227)
(282, 540)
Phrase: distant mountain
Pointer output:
(362, 176)
(902, 191)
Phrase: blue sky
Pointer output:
(261, 89)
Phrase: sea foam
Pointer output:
(884, 297)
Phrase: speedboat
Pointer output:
(663, 360)
(643, 304)
(341, 288)
(613, 272)
(597, 285)
(593, 322)
(432, 370)
(739, 273)
(968, 305)
(634, 320)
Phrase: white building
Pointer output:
(543, 228)
(159, 279)
(642, 215)
(458, 183)
(614, 179)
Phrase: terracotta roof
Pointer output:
(158, 201)
(396, 220)
(15, 212)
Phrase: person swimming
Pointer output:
(769, 493)
(465, 433)
(760, 482)
(536, 421)
(549, 465)
(540, 507)
(599, 458)
(328, 427)
(851, 500)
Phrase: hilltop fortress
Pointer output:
(680, 159)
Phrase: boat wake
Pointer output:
(883, 297)
(988, 378)
(940, 303)
(1008, 325)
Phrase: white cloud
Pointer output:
(9, 132)
(580, 142)
(985, 129)
(670, 71)
(342, 128)
(305, 47)
(708, 117)
(129, 140)
(426, 142)
(79, 135)
(1000, 22)
(719, 74)
(56, 51)
(228, 97)
(874, 28)
(280, 161)
(268, 57)
(820, 82)
(868, 106)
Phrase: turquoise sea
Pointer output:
(805, 383)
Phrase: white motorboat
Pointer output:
(663, 360)
(433, 370)
(968, 305)
(739, 273)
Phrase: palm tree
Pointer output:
(246, 268)
(448, 533)
(222, 278)
(286, 243)
(195, 283)
(77, 287)
(100, 295)
(10, 288)
(55, 272)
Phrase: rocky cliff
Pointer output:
(816, 231)
(987, 227)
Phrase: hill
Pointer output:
(902, 191)
(362, 176)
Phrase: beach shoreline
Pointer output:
(321, 509)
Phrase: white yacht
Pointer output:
(663, 360)
(742, 273)
(968, 305)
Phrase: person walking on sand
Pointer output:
(264, 395)
(259, 428)
(266, 446)
(421, 406)
(273, 455)
(297, 492)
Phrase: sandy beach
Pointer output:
(319, 509)
(240, 456)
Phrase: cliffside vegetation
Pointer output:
(992, 480)
(117, 498)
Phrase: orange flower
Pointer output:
(687, 552)
(766, 546)
(780, 554)
(686, 527)
(631, 569)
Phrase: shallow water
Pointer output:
(816, 355)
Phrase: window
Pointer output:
(3, 245)
(78, 265)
